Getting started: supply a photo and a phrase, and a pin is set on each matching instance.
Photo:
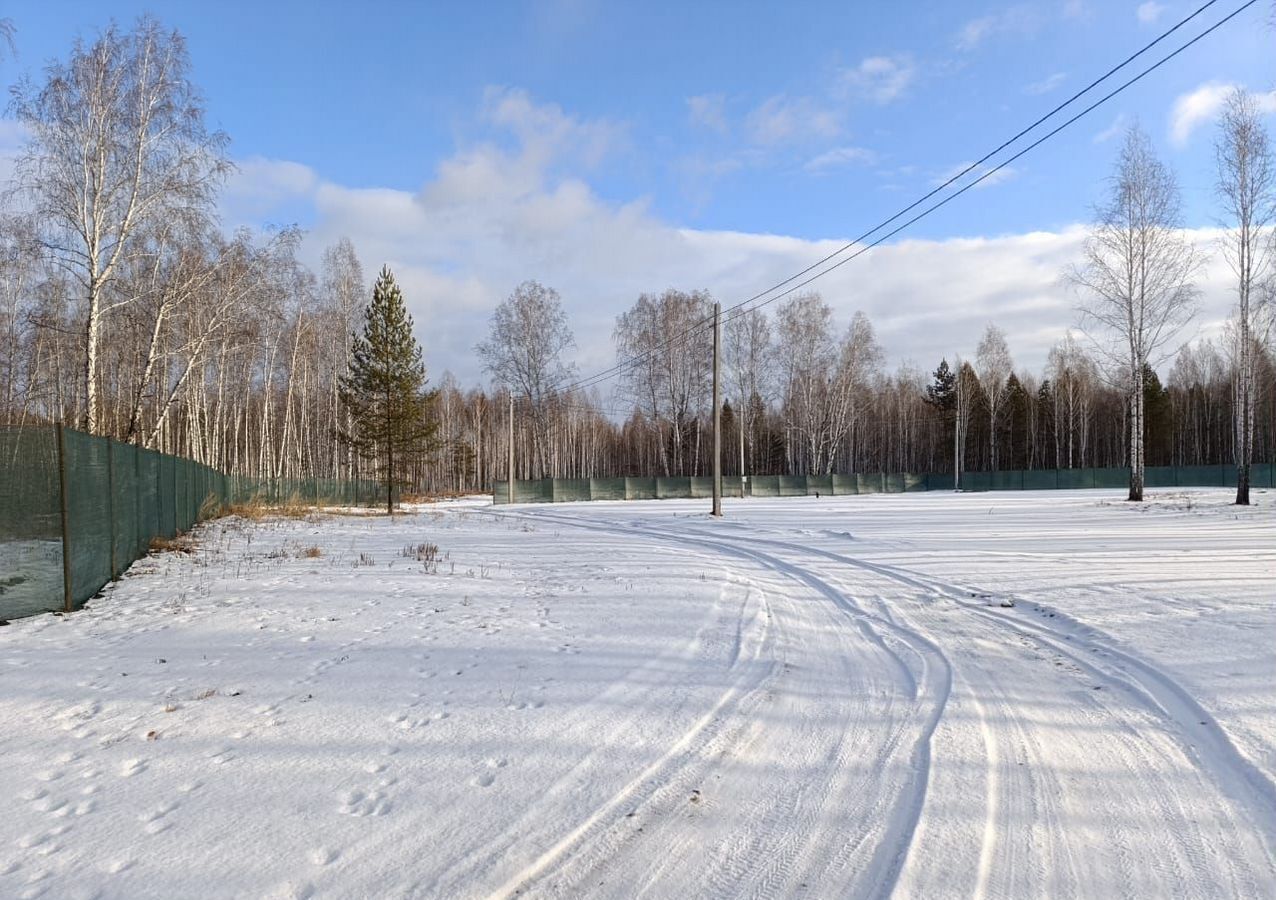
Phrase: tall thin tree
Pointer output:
(1246, 187)
(1136, 279)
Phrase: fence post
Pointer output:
(66, 531)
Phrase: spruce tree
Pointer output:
(384, 389)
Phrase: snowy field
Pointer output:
(993, 695)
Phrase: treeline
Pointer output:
(801, 399)
(126, 310)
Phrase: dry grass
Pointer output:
(211, 508)
(182, 543)
(309, 553)
(255, 509)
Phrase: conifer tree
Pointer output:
(384, 389)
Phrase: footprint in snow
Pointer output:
(323, 856)
(364, 803)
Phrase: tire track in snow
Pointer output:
(706, 736)
(1246, 789)
(932, 690)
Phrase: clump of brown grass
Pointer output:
(255, 508)
(309, 553)
(181, 543)
(211, 508)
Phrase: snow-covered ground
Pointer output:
(819, 698)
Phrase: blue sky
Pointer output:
(537, 128)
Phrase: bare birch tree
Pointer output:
(524, 351)
(747, 346)
(1136, 279)
(117, 144)
(667, 343)
(994, 365)
(1246, 186)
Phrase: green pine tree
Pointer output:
(384, 390)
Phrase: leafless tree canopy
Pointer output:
(1246, 187)
(1136, 278)
(118, 165)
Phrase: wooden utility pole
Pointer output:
(717, 409)
(511, 461)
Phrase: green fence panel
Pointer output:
(976, 481)
(893, 482)
(88, 514)
(1005, 480)
(30, 522)
(124, 506)
(167, 486)
(607, 489)
(640, 489)
(569, 490)
(939, 481)
(914, 482)
(791, 485)
(1160, 476)
(764, 485)
(732, 486)
(1112, 478)
(536, 491)
(1072, 479)
(673, 488)
(869, 483)
(819, 484)
(1262, 475)
(701, 487)
(845, 484)
(1040, 480)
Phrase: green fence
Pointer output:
(551, 490)
(77, 510)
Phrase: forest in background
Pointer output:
(125, 309)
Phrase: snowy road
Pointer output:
(817, 698)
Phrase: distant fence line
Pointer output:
(566, 490)
(77, 510)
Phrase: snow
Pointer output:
(823, 697)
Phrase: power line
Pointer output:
(739, 309)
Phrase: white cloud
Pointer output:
(782, 120)
(546, 132)
(708, 111)
(838, 157)
(260, 187)
(973, 32)
(1202, 106)
(1046, 85)
(1107, 134)
(1021, 19)
(1149, 12)
(999, 176)
(490, 217)
(880, 79)
(1076, 9)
